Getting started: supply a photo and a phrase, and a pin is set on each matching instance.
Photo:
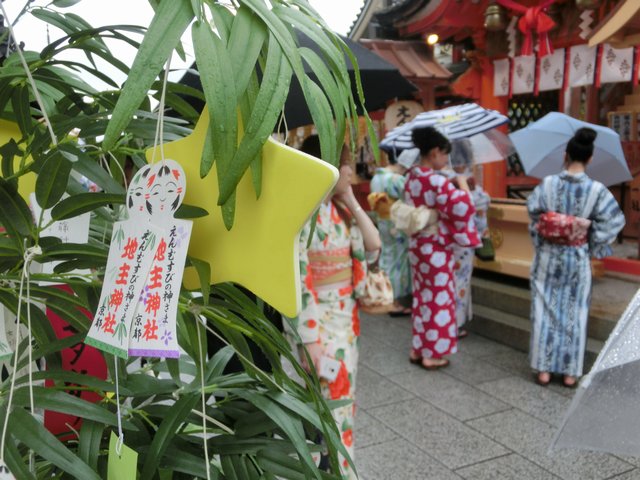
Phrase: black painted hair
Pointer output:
(428, 138)
(311, 146)
(580, 147)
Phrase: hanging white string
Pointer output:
(204, 402)
(29, 255)
(118, 413)
(160, 125)
(36, 93)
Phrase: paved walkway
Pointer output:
(480, 418)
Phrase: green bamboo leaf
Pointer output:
(247, 37)
(166, 28)
(217, 364)
(70, 377)
(15, 215)
(267, 108)
(222, 18)
(85, 202)
(219, 90)
(334, 93)
(89, 442)
(163, 436)
(204, 274)
(52, 180)
(229, 211)
(14, 460)
(65, 3)
(68, 251)
(190, 211)
(322, 118)
(9, 151)
(58, 401)
(22, 109)
(32, 433)
(229, 467)
(292, 427)
(282, 465)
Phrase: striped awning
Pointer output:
(460, 121)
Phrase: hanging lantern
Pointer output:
(588, 4)
(495, 18)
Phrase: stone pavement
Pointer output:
(480, 418)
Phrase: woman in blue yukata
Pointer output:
(387, 186)
(573, 218)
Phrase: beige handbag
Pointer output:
(411, 220)
(378, 292)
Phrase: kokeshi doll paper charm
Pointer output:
(153, 332)
(132, 248)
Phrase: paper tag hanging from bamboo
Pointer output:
(131, 252)
(5, 348)
(5, 474)
(153, 331)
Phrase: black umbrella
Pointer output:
(381, 82)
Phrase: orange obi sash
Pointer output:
(330, 267)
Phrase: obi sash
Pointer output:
(562, 229)
(331, 267)
(381, 203)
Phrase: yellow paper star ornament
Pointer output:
(260, 252)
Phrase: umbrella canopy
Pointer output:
(460, 121)
(381, 82)
(605, 412)
(541, 147)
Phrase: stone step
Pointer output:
(514, 330)
(512, 298)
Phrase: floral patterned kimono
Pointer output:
(333, 270)
(561, 274)
(435, 332)
(463, 258)
(395, 244)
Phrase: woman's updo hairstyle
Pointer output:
(428, 138)
(580, 147)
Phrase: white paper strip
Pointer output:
(581, 65)
(552, 71)
(524, 71)
(501, 77)
(616, 65)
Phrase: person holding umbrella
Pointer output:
(573, 218)
(435, 332)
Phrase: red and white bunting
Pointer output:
(582, 65)
(616, 64)
(501, 80)
(524, 74)
(552, 71)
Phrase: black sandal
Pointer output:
(541, 382)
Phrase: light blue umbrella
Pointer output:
(542, 144)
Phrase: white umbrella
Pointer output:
(460, 121)
(541, 147)
(605, 412)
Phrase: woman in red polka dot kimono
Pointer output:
(435, 332)
(333, 270)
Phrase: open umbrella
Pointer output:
(381, 82)
(541, 147)
(469, 121)
(605, 412)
